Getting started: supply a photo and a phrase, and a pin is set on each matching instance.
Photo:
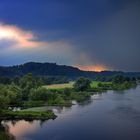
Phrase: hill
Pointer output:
(52, 69)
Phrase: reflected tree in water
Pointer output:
(4, 133)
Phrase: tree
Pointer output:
(15, 94)
(120, 79)
(38, 94)
(4, 96)
(16, 80)
(82, 84)
(28, 82)
(9, 95)
(5, 80)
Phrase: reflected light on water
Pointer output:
(22, 127)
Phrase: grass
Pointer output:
(39, 115)
(94, 84)
(60, 86)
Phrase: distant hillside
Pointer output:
(52, 69)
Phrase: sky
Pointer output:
(90, 34)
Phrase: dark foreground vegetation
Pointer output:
(28, 91)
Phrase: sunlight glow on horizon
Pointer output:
(96, 68)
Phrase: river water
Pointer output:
(114, 115)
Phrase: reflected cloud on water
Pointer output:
(4, 132)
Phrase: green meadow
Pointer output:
(60, 86)
(94, 84)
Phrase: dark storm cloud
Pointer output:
(56, 15)
(115, 42)
(98, 31)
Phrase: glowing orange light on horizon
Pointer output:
(97, 68)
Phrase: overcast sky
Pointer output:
(91, 34)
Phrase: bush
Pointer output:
(9, 95)
(40, 93)
(82, 84)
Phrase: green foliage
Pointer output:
(48, 80)
(6, 114)
(5, 80)
(29, 104)
(59, 100)
(80, 96)
(105, 85)
(27, 83)
(40, 93)
(43, 94)
(67, 91)
(123, 86)
(9, 95)
(48, 96)
(119, 82)
(120, 79)
(4, 97)
(82, 84)
(16, 80)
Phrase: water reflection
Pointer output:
(9, 129)
(4, 132)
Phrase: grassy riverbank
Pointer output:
(31, 115)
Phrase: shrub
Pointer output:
(82, 84)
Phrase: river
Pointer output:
(114, 115)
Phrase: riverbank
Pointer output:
(27, 115)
